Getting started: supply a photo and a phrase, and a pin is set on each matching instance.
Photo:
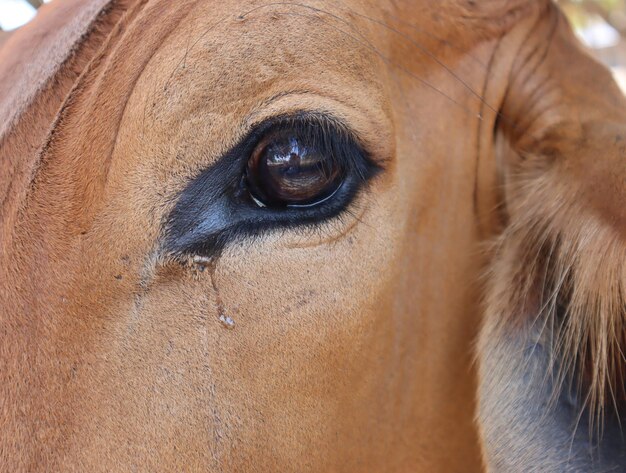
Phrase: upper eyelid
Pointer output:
(329, 124)
(316, 117)
(361, 124)
(280, 103)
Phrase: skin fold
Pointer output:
(369, 342)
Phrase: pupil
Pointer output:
(294, 161)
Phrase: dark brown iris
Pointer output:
(286, 170)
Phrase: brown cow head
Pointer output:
(249, 236)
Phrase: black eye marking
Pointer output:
(287, 172)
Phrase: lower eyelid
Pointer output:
(320, 202)
(334, 237)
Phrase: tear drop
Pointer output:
(202, 263)
(227, 321)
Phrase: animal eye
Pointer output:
(286, 172)
(289, 168)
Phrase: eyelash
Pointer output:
(207, 217)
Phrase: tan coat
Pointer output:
(354, 339)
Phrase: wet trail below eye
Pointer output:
(204, 263)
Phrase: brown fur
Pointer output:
(558, 276)
(353, 345)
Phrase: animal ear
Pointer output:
(551, 349)
(560, 263)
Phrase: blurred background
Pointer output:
(14, 13)
(601, 24)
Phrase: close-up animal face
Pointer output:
(347, 236)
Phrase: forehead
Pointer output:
(233, 64)
(226, 55)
